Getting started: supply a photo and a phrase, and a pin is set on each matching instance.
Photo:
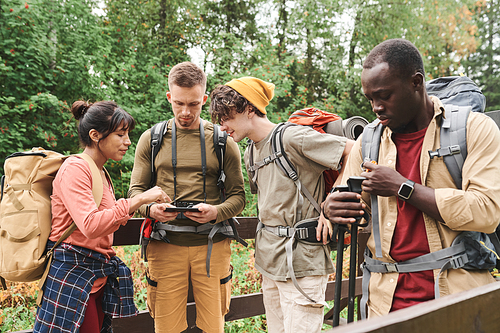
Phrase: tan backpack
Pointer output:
(25, 212)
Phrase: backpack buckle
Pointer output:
(455, 149)
(391, 267)
(302, 233)
(458, 262)
(284, 231)
(446, 151)
(221, 180)
(267, 160)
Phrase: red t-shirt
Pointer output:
(410, 239)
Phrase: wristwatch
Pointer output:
(406, 189)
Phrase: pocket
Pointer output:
(225, 291)
(151, 301)
(22, 258)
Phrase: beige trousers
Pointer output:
(170, 267)
(288, 311)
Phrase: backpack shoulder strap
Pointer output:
(288, 168)
(370, 144)
(453, 140)
(1, 187)
(157, 133)
(251, 169)
(97, 187)
(278, 150)
(370, 141)
(220, 140)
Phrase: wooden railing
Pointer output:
(242, 306)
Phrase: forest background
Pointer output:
(54, 52)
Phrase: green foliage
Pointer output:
(53, 52)
(484, 66)
(17, 319)
(40, 121)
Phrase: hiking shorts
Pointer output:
(288, 311)
(170, 267)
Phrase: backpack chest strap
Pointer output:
(269, 159)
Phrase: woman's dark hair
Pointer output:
(224, 100)
(105, 117)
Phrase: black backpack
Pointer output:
(457, 90)
(158, 231)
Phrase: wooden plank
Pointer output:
(242, 306)
(247, 227)
(245, 306)
(139, 324)
(330, 288)
(474, 310)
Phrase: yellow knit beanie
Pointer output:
(256, 91)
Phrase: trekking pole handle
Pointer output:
(354, 185)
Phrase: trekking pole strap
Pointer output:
(365, 291)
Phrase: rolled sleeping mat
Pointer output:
(351, 128)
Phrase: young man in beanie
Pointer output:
(181, 254)
(240, 107)
(421, 211)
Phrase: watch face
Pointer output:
(405, 191)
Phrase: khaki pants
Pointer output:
(288, 311)
(170, 266)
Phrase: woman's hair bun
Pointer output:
(79, 108)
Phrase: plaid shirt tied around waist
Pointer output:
(67, 288)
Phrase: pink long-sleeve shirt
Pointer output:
(72, 200)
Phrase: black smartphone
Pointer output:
(182, 209)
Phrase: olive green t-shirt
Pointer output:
(311, 153)
(190, 177)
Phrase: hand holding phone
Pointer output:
(181, 209)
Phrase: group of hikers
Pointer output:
(420, 210)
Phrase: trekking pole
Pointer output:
(354, 184)
(339, 230)
(352, 274)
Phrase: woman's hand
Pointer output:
(155, 194)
